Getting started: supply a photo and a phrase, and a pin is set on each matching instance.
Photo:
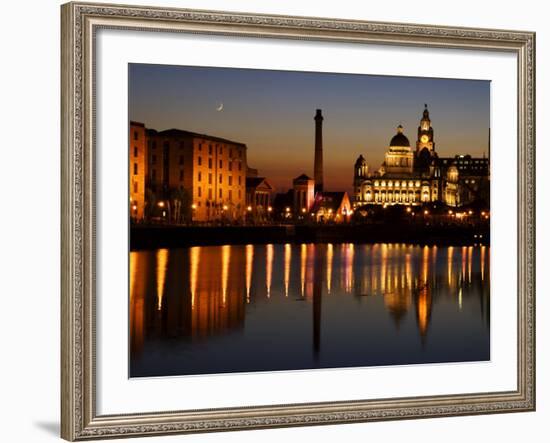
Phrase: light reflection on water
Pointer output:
(212, 309)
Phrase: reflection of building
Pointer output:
(412, 178)
(138, 169)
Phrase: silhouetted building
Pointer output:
(318, 162)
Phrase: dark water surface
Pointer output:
(214, 309)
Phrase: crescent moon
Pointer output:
(220, 108)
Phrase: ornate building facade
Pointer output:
(419, 176)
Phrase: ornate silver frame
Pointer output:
(80, 21)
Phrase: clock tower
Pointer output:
(425, 134)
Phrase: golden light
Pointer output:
(134, 208)
(450, 212)
(330, 211)
(225, 207)
(193, 206)
(426, 212)
(470, 212)
(409, 209)
(303, 210)
(287, 209)
(249, 208)
(482, 213)
(269, 209)
(161, 204)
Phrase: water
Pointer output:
(216, 309)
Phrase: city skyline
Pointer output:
(272, 113)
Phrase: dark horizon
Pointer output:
(272, 113)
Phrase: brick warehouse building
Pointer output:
(186, 175)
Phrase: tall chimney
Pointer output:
(318, 166)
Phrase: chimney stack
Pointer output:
(318, 166)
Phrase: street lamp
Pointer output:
(269, 209)
(249, 208)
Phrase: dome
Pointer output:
(399, 140)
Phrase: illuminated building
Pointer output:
(304, 194)
(258, 197)
(137, 169)
(331, 206)
(408, 177)
(194, 176)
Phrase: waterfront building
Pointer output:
(303, 194)
(194, 176)
(137, 169)
(258, 197)
(331, 207)
(408, 177)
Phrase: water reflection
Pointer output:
(234, 308)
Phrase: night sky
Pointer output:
(272, 112)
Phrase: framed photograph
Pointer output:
(283, 221)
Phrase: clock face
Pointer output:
(424, 139)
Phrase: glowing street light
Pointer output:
(269, 209)
(287, 209)
(193, 206)
(161, 204)
(225, 207)
(249, 208)
(426, 212)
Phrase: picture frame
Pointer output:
(80, 23)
